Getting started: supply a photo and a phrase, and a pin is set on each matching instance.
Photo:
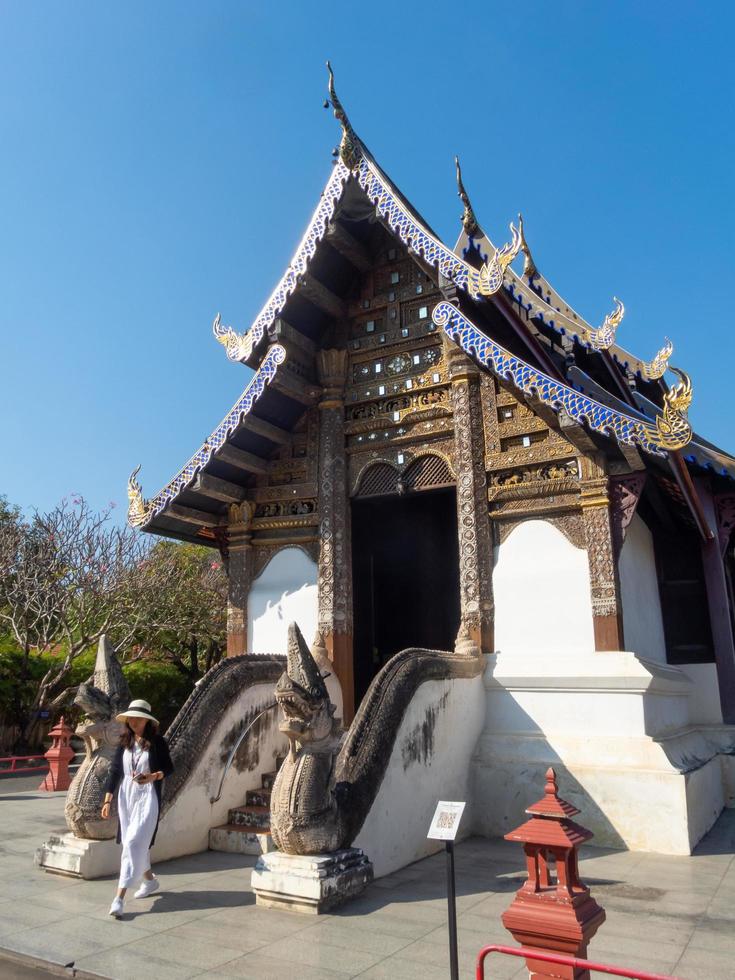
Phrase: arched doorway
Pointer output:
(405, 562)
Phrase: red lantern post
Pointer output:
(59, 756)
(553, 911)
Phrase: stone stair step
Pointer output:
(268, 779)
(236, 839)
(258, 797)
(250, 816)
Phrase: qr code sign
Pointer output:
(445, 823)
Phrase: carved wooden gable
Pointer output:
(397, 405)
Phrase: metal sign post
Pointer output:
(444, 827)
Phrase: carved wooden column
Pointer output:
(475, 542)
(239, 576)
(606, 606)
(335, 555)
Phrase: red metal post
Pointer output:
(59, 756)
(553, 912)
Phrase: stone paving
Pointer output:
(664, 914)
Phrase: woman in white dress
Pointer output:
(137, 771)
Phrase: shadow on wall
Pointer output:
(285, 592)
(509, 774)
(543, 616)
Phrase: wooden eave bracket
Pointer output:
(190, 515)
(321, 296)
(691, 496)
(217, 489)
(625, 494)
(725, 510)
(348, 246)
(242, 460)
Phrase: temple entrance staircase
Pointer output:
(247, 830)
(248, 827)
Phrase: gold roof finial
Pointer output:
(672, 425)
(529, 266)
(489, 278)
(349, 147)
(656, 368)
(469, 221)
(137, 507)
(238, 346)
(606, 333)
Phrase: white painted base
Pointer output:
(310, 883)
(430, 761)
(239, 841)
(79, 858)
(617, 731)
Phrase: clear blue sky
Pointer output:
(159, 163)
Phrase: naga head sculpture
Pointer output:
(307, 713)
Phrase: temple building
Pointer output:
(436, 450)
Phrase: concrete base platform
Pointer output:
(312, 884)
(70, 855)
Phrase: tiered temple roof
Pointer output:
(513, 324)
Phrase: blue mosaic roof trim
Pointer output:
(409, 229)
(239, 351)
(571, 323)
(275, 355)
(669, 431)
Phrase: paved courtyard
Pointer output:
(664, 914)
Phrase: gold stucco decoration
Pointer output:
(488, 280)
(137, 506)
(656, 368)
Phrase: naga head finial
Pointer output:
(238, 346)
(606, 333)
(108, 675)
(489, 278)
(137, 508)
(673, 428)
(679, 396)
(469, 221)
(302, 694)
(656, 368)
(529, 266)
(301, 666)
(349, 147)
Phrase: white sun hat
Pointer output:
(137, 709)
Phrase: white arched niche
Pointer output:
(284, 592)
(643, 627)
(541, 584)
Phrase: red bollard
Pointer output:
(59, 756)
(553, 911)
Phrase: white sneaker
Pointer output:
(149, 886)
(116, 908)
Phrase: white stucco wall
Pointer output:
(541, 585)
(184, 827)
(643, 627)
(283, 593)
(430, 761)
(704, 701)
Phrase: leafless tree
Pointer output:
(70, 575)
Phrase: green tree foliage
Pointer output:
(70, 575)
(195, 610)
(162, 685)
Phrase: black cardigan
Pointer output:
(160, 761)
